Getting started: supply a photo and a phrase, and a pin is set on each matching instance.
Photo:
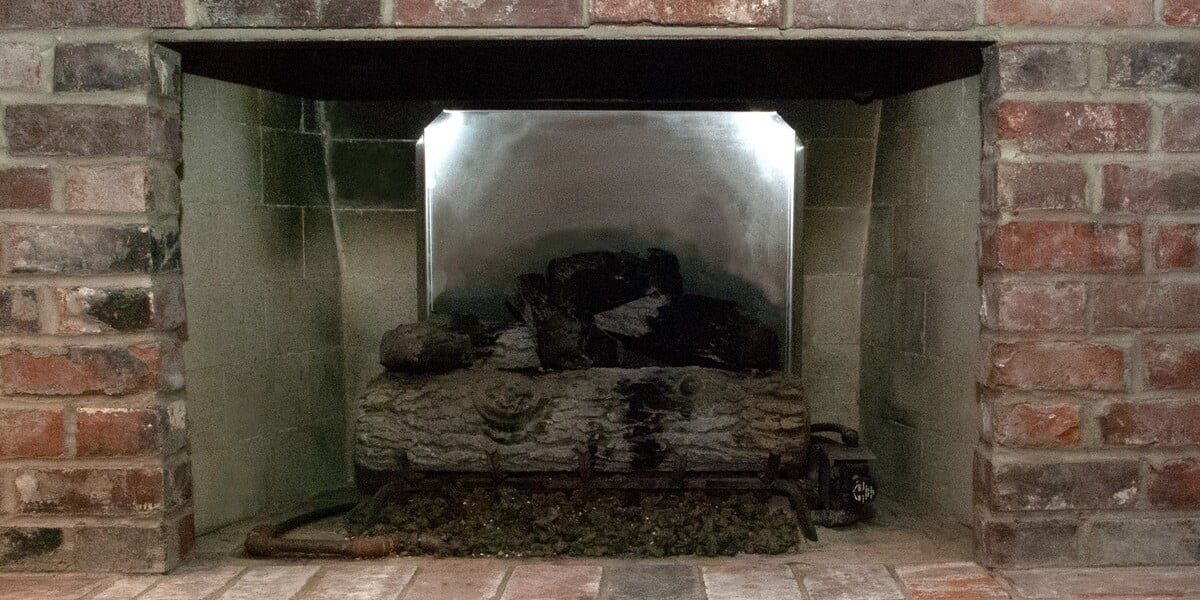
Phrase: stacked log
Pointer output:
(611, 359)
(654, 418)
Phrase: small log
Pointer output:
(647, 419)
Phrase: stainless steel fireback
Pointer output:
(505, 191)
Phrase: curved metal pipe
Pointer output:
(267, 540)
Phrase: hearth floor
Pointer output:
(487, 579)
(898, 557)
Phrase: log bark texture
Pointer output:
(639, 419)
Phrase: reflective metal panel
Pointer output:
(506, 191)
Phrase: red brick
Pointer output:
(1063, 246)
(31, 433)
(20, 66)
(1181, 128)
(101, 67)
(86, 249)
(1056, 366)
(87, 491)
(1151, 190)
(1065, 485)
(117, 431)
(18, 310)
(126, 188)
(1114, 13)
(42, 587)
(489, 13)
(885, 14)
(1174, 484)
(1036, 67)
(289, 13)
(91, 13)
(1036, 425)
(1171, 365)
(1177, 247)
(1151, 423)
(1040, 186)
(1157, 65)
(458, 578)
(687, 12)
(1181, 13)
(25, 188)
(90, 130)
(1029, 543)
(76, 370)
(1147, 304)
(1074, 126)
(1034, 306)
(949, 581)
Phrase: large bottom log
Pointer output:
(636, 419)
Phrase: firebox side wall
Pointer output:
(264, 360)
(920, 325)
(839, 139)
(372, 167)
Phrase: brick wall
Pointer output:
(1090, 294)
(1089, 256)
(93, 471)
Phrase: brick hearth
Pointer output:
(1090, 375)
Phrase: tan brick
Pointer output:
(127, 188)
(741, 581)
(371, 581)
(552, 582)
(21, 66)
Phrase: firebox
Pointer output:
(786, 244)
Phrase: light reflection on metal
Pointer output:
(506, 191)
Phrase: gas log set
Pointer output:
(612, 378)
(610, 360)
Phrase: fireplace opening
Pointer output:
(305, 239)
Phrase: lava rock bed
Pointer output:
(516, 523)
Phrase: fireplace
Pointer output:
(293, 227)
(838, 213)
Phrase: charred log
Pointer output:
(693, 330)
